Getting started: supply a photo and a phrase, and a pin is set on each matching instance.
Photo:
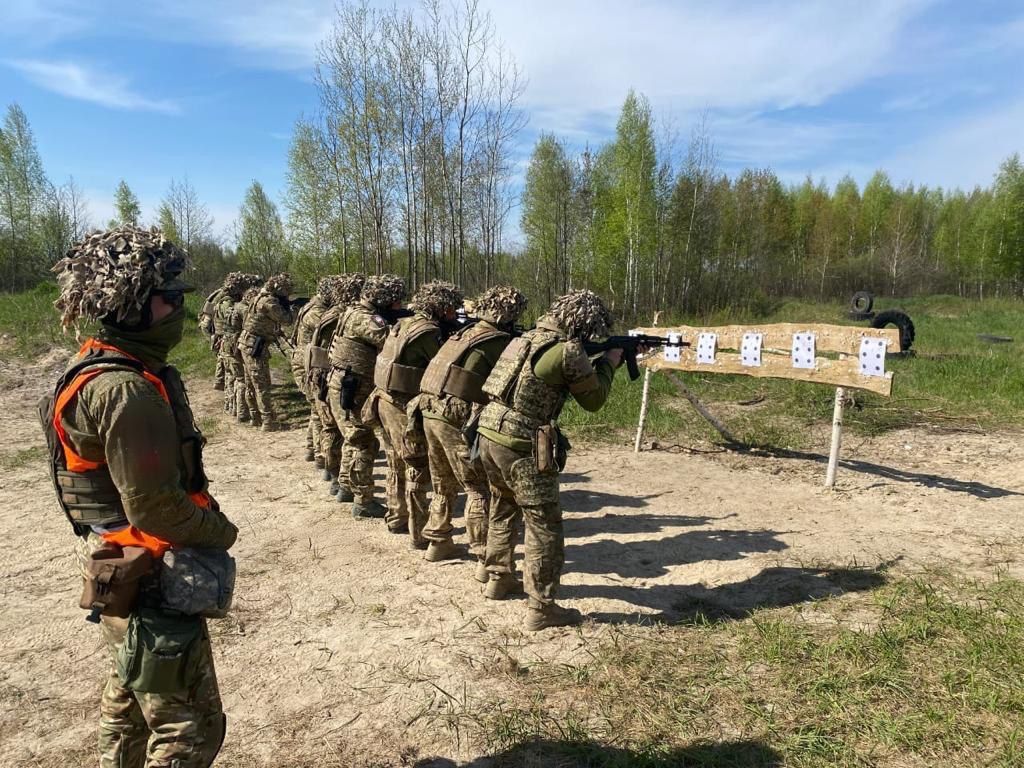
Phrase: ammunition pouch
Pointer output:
(159, 651)
(349, 388)
(551, 449)
(197, 582)
(317, 357)
(111, 582)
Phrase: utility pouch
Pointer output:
(111, 584)
(562, 448)
(545, 443)
(349, 386)
(257, 345)
(159, 651)
(198, 581)
(317, 357)
(471, 428)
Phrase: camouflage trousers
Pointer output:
(520, 491)
(452, 471)
(299, 376)
(242, 398)
(168, 730)
(360, 444)
(225, 362)
(220, 374)
(257, 375)
(327, 433)
(407, 480)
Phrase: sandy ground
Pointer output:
(345, 647)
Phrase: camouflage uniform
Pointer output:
(305, 324)
(359, 337)
(262, 326)
(227, 322)
(208, 325)
(528, 387)
(245, 394)
(116, 427)
(452, 391)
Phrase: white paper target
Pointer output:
(673, 354)
(706, 344)
(872, 357)
(803, 350)
(750, 349)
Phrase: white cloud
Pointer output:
(77, 81)
(582, 56)
(35, 22)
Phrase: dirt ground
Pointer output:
(344, 642)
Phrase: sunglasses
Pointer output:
(174, 298)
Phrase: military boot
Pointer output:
(269, 426)
(310, 455)
(334, 487)
(442, 550)
(326, 476)
(219, 386)
(318, 462)
(481, 573)
(344, 494)
(551, 615)
(368, 510)
(420, 544)
(502, 584)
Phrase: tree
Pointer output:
(1008, 220)
(127, 210)
(549, 218)
(310, 203)
(261, 240)
(24, 191)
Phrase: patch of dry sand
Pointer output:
(345, 647)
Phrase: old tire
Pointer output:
(862, 302)
(900, 320)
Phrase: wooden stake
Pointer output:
(643, 411)
(701, 409)
(837, 437)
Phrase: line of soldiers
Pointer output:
(468, 407)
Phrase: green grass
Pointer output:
(936, 678)
(21, 457)
(951, 378)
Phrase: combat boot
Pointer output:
(326, 476)
(420, 544)
(502, 584)
(333, 489)
(218, 386)
(442, 550)
(344, 494)
(269, 426)
(398, 528)
(310, 455)
(368, 510)
(318, 462)
(551, 615)
(481, 573)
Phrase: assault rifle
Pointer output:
(394, 315)
(290, 305)
(630, 346)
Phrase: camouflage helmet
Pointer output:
(437, 298)
(325, 288)
(250, 294)
(279, 285)
(252, 280)
(383, 290)
(235, 284)
(348, 288)
(582, 314)
(110, 275)
(500, 304)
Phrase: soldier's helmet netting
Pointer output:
(325, 289)
(501, 305)
(383, 290)
(110, 275)
(252, 280)
(437, 298)
(235, 284)
(348, 289)
(582, 314)
(279, 285)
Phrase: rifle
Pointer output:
(630, 347)
(289, 305)
(394, 315)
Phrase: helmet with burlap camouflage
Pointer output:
(582, 314)
(500, 304)
(437, 298)
(383, 290)
(109, 276)
(252, 280)
(279, 285)
(348, 289)
(325, 289)
(235, 284)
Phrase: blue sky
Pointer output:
(929, 90)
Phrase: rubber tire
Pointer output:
(902, 321)
(862, 302)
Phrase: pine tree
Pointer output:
(127, 210)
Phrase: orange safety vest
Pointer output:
(130, 536)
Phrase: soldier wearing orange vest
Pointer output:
(126, 459)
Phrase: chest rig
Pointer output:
(445, 374)
(391, 375)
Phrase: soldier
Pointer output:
(359, 337)
(452, 390)
(522, 450)
(410, 346)
(126, 460)
(225, 323)
(262, 327)
(208, 325)
(248, 410)
(345, 292)
(305, 324)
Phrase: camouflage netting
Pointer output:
(235, 284)
(501, 305)
(383, 290)
(437, 298)
(109, 275)
(325, 288)
(252, 280)
(279, 285)
(582, 314)
(348, 288)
